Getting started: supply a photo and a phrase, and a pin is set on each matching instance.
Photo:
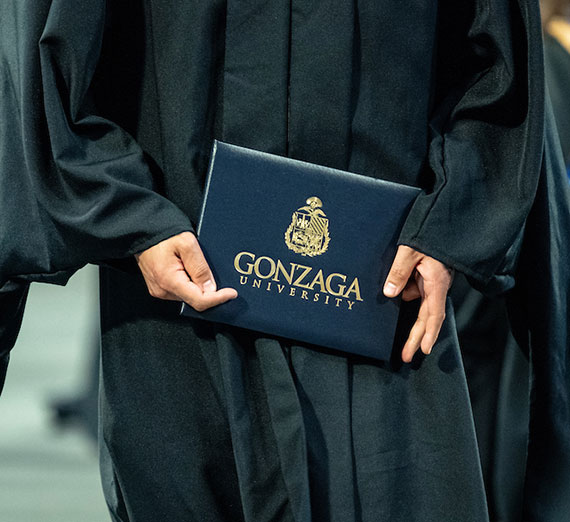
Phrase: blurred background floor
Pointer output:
(49, 473)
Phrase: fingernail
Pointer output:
(390, 289)
(209, 286)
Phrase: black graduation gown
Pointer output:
(497, 365)
(540, 312)
(109, 110)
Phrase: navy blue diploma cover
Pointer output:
(307, 248)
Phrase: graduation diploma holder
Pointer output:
(307, 248)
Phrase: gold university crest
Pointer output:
(308, 233)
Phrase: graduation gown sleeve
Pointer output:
(486, 136)
(74, 187)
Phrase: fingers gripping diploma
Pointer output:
(176, 270)
(416, 275)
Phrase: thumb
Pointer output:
(404, 263)
(196, 265)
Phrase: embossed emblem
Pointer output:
(308, 233)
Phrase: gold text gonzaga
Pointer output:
(297, 280)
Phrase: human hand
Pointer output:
(417, 275)
(175, 269)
